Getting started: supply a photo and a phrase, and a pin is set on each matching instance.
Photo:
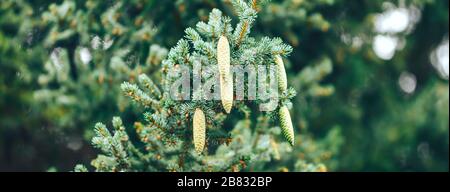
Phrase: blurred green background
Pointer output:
(385, 67)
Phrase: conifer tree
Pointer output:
(169, 122)
(63, 65)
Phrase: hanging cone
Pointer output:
(199, 132)
(226, 78)
(281, 73)
(286, 125)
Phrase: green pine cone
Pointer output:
(199, 132)
(281, 73)
(226, 78)
(286, 125)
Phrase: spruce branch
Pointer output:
(139, 96)
(150, 86)
(113, 145)
(172, 126)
